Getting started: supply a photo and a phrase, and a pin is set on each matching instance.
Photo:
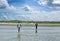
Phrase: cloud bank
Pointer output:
(4, 5)
(37, 15)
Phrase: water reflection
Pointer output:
(19, 37)
(36, 37)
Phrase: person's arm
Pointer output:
(20, 25)
(17, 25)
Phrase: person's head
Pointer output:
(18, 21)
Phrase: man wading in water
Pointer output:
(36, 27)
(19, 26)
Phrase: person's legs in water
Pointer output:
(36, 29)
(18, 29)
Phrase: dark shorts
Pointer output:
(18, 27)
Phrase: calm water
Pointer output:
(45, 33)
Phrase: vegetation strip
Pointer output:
(39, 22)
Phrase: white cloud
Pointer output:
(45, 16)
(5, 16)
(56, 1)
(39, 15)
(55, 4)
(11, 8)
(4, 4)
(28, 8)
(42, 2)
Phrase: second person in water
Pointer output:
(36, 26)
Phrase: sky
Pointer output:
(40, 10)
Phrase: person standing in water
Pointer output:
(36, 25)
(19, 26)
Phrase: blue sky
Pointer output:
(42, 10)
(16, 2)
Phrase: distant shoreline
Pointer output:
(28, 24)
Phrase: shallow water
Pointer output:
(47, 33)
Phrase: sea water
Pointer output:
(27, 33)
